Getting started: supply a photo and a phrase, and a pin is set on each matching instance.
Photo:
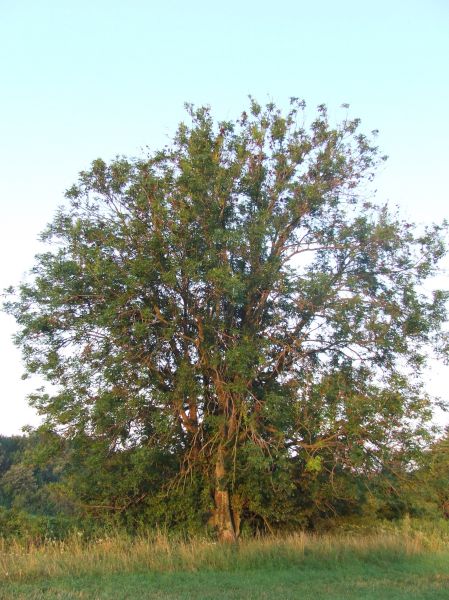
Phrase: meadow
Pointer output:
(388, 564)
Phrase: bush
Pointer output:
(18, 524)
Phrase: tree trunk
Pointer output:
(236, 511)
(222, 514)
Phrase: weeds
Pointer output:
(22, 561)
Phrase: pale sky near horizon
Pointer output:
(86, 79)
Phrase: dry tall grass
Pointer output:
(157, 553)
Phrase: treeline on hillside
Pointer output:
(44, 493)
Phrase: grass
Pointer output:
(386, 565)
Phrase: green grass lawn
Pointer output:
(412, 578)
(379, 567)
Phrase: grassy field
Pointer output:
(395, 565)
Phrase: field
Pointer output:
(385, 566)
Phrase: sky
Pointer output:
(93, 78)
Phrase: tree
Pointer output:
(430, 482)
(23, 484)
(236, 304)
(11, 451)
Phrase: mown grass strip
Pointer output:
(413, 578)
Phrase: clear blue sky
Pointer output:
(83, 79)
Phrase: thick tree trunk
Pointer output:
(222, 514)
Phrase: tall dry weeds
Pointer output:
(158, 553)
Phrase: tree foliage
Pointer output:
(232, 314)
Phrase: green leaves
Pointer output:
(314, 464)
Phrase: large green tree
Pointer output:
(237, 305)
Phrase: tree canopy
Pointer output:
(233, 315)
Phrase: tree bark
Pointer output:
(222, 514)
